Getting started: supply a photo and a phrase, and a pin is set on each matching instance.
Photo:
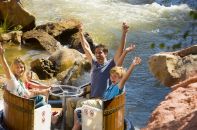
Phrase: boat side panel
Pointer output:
(18, 112)
(114, 113)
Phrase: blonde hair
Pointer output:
(17, 61)
(120, 71)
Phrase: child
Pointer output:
(118, 77)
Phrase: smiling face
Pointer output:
(100, 55)
(116, 73)
(115, 78)
(18, 67)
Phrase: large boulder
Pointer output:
(60, 63)
(171, 68)
(43, 68)
(66, 58)
(66, 32)
(179, 109)
(38, 39)
(14, 14)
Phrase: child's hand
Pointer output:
(130, 48)
(136, 61)
(125, 27)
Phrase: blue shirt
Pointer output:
(112, 91)
(99, 77)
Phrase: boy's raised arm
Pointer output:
(127, 50)
(119, 51)
(85, 45)
(125, 77)
(4, 63)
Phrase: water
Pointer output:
(149, 23)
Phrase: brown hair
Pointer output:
(105, 49)
(118, 70)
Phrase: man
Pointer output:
(100, 69)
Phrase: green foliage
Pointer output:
(18, 28)
(5, 27)
(193, 14)
(152, 45)
(161, 45)
(176, 46)
(186, 34)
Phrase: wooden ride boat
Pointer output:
(19, 114)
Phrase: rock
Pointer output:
(17, 15)
(171, 68)
(43, 68)
(59, 64)
(179, 109)
(14, 36)
(66, 58)
(66, 32)
(38, 39)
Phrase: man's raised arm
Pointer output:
(85, 45)
(119, 51)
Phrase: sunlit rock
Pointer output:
(66, 32)
(38, 39)
(14, 36)
(60, 63)
(179, 109)
(171, 68)
(14, 14)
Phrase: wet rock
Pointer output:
(43, 68)
(17, 15)
(179, 109)
(171, 68)
(14, 36)
(59, 64)
(66, 58)
(38, 39)
(66, 32)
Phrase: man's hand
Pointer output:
(125, 28)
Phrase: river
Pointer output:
(150, 23)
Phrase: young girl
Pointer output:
(14, 83)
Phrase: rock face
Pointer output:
(59, 63)
(14, 36)
(38, 39)
(51, 35)
(66, 32)
(14, 14)
(43, 68)
(179, 109)
(171, 68)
